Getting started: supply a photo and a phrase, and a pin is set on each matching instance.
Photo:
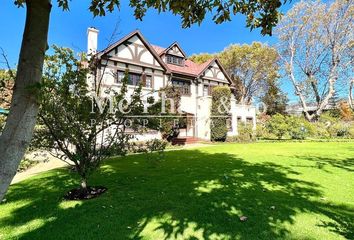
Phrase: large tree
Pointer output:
(274, 99)
(202, 57)
(315, 50)
(24, 107)
(251, 67)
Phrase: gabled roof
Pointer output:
(171, 46)
(143, 40)
(190, 68)
(217, 61)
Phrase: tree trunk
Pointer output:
(20, 123)
(84, 184)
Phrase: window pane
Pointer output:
(148, 82)
(134, 79)
(174, 60)
(120, 76)
(184, 86)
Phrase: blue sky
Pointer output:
(69, 29)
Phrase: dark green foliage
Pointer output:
(259, 14)
(220, 108)
(152, 149)
(299, 128)
(274, 99)
(155, 150)
(278, 125)
(296, 127)
(245, 134)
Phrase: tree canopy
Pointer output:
(315, 47)
(253, 68)
(259, 14)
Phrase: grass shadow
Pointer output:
(191, 195)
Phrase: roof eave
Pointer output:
(146, 43)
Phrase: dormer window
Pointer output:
(174, 60)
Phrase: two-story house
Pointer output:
(158, 67)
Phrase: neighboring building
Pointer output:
(158, 67)
(297, 109)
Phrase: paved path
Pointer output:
(40, 167)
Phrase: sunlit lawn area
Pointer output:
(286, 190)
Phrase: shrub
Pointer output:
(338, 129)
(150, 146)
(220, 108)
(262, 132)
(351, 131)
(278, 125)
(245, 133)
(136, 147)
(327, 126)
(156, 145)
(297, 128)
(328, 118)
(319, 130)
(155, 150)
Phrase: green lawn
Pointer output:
(197, 194)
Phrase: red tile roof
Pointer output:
(190, 67)
(158, 49)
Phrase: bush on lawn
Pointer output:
(219, 111)
(319, 130)
(262, 132)
(338, 129)
(155, 150)
(297, 128)
(278, 125)
(351, 131)
(245, 133)
(153, 145)
(328, 126)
